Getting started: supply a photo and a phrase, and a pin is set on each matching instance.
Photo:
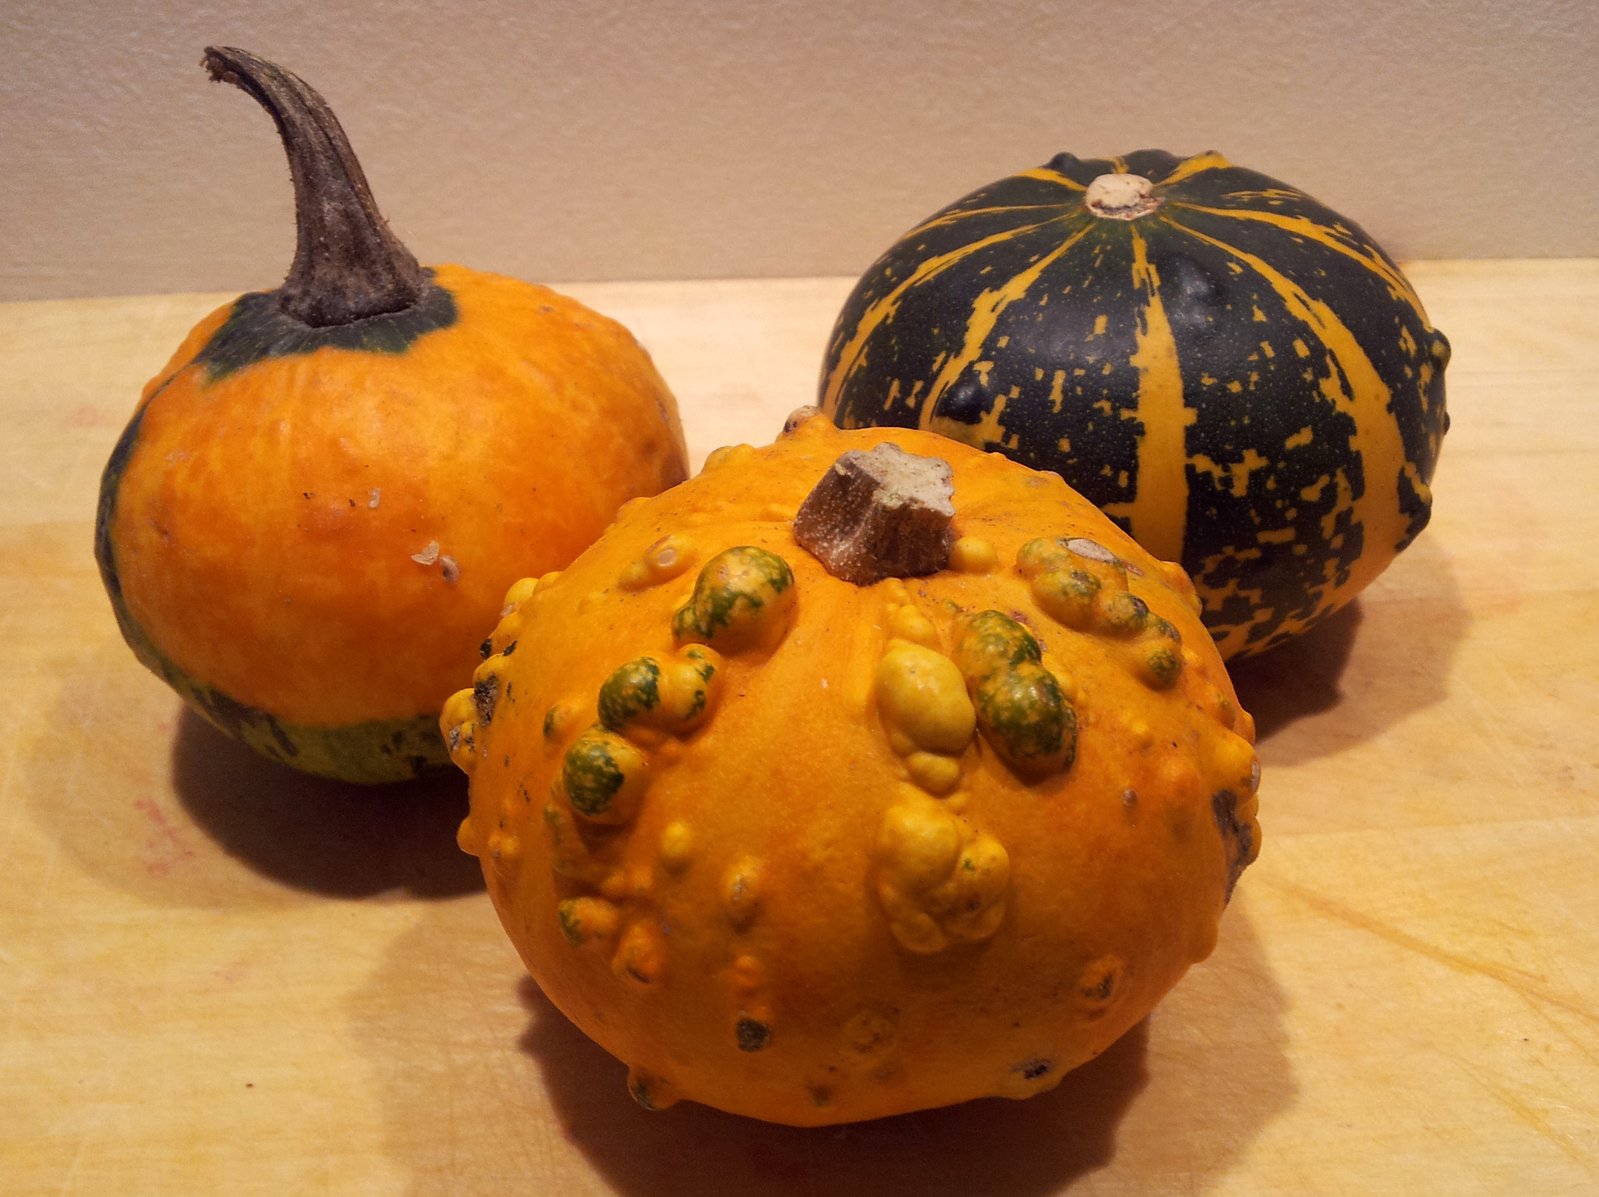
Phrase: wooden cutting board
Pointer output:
(220, 978)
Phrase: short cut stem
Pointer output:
(879, 513)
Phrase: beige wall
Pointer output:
(703, 138)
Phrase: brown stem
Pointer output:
(879, 513)
(348, 265)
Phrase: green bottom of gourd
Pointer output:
(373, 752)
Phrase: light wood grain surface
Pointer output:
(219, 978)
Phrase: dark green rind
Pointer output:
(376, 752)
(105, 510)
(1032, 217)
(258, 329)
(369, 753)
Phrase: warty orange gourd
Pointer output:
(862, 773)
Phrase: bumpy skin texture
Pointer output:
(308, 534)
(820, 892)
(1240, 377)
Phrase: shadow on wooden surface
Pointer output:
(154, 801)
(1171, 1107)
(328, 837)
(1377, 661)
(1021, 1149)
(1300, 678)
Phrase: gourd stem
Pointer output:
(1121, 197)
(879, 513)
(348, 265)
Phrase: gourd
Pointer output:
(320, 501)
(1234, 373)
(862, 773)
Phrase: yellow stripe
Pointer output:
(883, 309)
(948, 218)
(1304, 226)
(986, 311)
(1189, 167)
(1157, 522)
(1044, 175)
(1267, 193)
(1376, 436)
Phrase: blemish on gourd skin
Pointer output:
(871, 1032)
(741, 893)
(641, 956)
(1160, 664)
(459, 724)
(651, 1092)
(1099, 986)
(1239, 833)
(485, 697)
(522, 590)
(1034, 1069)
(661, 562)
(937, 774)
(752, 1034)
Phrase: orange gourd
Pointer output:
(863, 773)
(320, 501)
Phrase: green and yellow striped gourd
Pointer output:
(1235, 374)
